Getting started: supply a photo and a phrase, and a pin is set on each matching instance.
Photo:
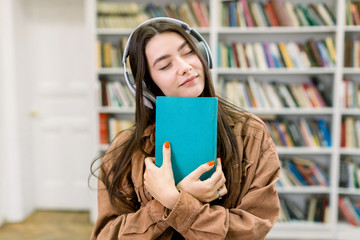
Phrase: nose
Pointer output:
(184, 67)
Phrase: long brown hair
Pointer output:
(227, 146)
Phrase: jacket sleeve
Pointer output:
(126, 220)
(251, 219)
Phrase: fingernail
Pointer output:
(211, 163)
(167, 144)
(219, 159)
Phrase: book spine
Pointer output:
(249, 20)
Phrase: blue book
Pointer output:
(296, 172)
(325, 131)
(190, 126)
(233, 14)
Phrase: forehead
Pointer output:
(163, 42)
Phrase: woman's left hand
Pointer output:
(207, 190)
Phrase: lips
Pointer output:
(190, 79)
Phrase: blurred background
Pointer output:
(46, 145)
(60, 64)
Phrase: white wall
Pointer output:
(2, 75)
(14, 180)
(19, 72)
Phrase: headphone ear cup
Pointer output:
(203, 51)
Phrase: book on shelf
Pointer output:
(349, 210)
(273, 13)
(349, 173)
(109, 54)
(308, 129)
(289, 8)
(350, 132)
(298, 171)
(117, 125)
(129, 14)
(103, 128)
(110, 126)
(264, 55)
(115, 93)
(352, 51)
(268, 95)
(316, 210)
(350, 93)
(352, 13)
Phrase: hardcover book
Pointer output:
(189, 124)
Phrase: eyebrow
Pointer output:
(166, 56)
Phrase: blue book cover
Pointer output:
(190, 126)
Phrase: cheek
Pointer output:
(197, 63)
(163, 81)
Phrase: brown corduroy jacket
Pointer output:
(248, 216)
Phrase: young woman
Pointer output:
(138, 200)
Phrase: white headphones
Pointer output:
(149, 98)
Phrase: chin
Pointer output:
(195, 93)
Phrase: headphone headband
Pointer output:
(149, 98)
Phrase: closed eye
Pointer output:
(189, 52)
(165, 67)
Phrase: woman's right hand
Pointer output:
(209, 189)
(159, 181)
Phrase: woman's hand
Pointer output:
(209, 189)
(159, 181)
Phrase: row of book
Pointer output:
(110, 54)
(302, 172)
(350, 210)
(349, 173)
(350, 132)
(252, 93)
(115, 94)
(130, 14)
(316, 210)
(351, 93)
(265, 55)
(275, 13)
(110, 126)
(299, 132)
(352, 51)
(352, 11)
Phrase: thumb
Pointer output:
(166, 155)
(203, 168)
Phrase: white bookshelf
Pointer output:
(334, 229)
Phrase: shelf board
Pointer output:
(113, 31)
(349, 191)
(304, 150)
(347, 231)
(110, 71)
(103, 147)
(290, 111)
(352, 28)
(273, 30)
(303, 189)
(307, 230)
(127, 31)
(239, 71)
(351, 70)
(276, 71)
(350, 111)
(350, 151)
(124, 110)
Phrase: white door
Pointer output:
(59, 45)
